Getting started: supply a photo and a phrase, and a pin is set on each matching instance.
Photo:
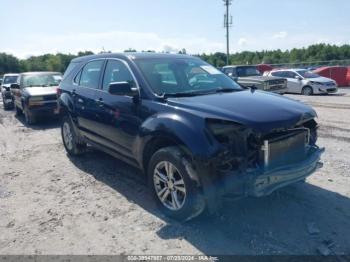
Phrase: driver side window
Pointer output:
(116, 71)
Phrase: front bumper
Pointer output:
(271, 180)
(326, 90)
(44, 108)
(256, 182)
(7, 97)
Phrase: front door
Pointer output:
(294, 84)
(119, 120)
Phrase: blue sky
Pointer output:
(40, 26)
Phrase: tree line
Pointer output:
(314, 53)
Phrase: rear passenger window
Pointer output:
(116, 71)
(91, 74)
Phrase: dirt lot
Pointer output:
(51, 204)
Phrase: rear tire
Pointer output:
(307, 91)
(71, 141)
(176, 194)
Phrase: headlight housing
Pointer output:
(316, 83)
(219, 127)
(224, 131)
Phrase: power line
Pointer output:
(227, 25)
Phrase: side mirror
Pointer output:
(298, 78)
(122, 89)
(14, 86)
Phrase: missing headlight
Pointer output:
(223, 130)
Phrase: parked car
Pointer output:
(302, 81)
(194, 131)
(35, 93)
(249, 76)
(7, 98)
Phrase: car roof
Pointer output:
(39, 73)
(11, 74)
(289, 69)
(131, 56)
(234, 66)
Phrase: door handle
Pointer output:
(81, 101)
(99, 102)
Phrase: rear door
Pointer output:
(86, 82)
(119, 120)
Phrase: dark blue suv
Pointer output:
(196, 133)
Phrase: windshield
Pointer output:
(10, 80)
(247, 71)
(307, 74)
(171, 76)
(42, 80)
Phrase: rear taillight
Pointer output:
(58, 92)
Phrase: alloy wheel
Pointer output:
(67, 136)
(169, 185)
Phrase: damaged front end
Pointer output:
(249, 163)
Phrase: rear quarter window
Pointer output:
(69, 69)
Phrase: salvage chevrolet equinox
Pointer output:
(196, 133)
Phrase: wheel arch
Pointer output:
(163, 132)
(65, 103)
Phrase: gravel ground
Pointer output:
(51, 204)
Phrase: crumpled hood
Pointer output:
(259, 110)
(321, 79)
(41, 91)
(6, 86)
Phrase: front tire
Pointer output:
(73, 145)
(176, 194)
(29, 117)
(19, 112)
(307, 91)
(6, 106)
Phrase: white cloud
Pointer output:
(242, 41)
(115, 41)
(280, 35)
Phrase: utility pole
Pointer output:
(227, 25)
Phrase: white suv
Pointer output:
(302, 81)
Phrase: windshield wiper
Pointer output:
(226, 90)
(197, 93)
(182, 94)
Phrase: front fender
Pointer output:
(189, 133)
